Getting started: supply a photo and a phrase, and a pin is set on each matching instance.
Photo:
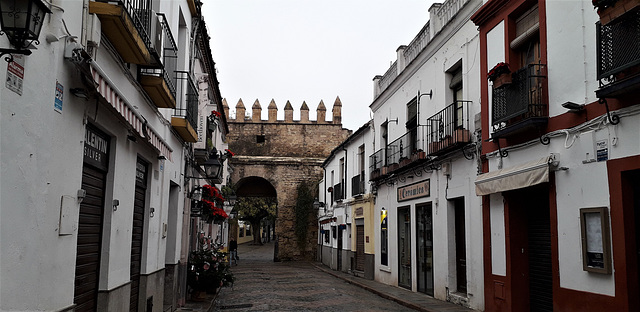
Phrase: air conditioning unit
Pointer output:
(94, 31)
(156, 34)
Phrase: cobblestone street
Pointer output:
(262, 285)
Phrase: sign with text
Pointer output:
(57, 102)
(96, 148)
(415, 190)
(15, 74)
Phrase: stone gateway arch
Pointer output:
(283, 153)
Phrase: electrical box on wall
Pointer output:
(588, 146)
(446, 169)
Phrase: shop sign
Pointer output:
(96, 148)
(415, 190)
(602, 150)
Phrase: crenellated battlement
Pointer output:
(256, 113)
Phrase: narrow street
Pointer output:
(262, 285)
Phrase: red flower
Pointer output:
(230, 153)
(499, 69)
(216, 113)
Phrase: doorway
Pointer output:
(424, 246)
(461, 245)
(339, 256)
(360, 247)
(530, 248)
(404, 247)
(137, 237)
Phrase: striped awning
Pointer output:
(125, 110)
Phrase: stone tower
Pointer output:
(275, 156)
(256, 111)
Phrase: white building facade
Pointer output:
(560, 188)
(429, 223)
(97, 127)
(346, 216)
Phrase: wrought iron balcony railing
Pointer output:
(186, 98)
(376, 161)
(449, 128)
(357, 184)
(523, 99)
(140, 13)
(403, 147)
(618, 48)
(165, 51)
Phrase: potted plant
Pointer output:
(211, 202)
(418, 154)
(404, 161)
(207, 271)
(609, 10)
(500, 75)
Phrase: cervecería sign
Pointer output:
(415, 190)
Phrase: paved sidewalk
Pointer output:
(413, 300)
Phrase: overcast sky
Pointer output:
(303, 50)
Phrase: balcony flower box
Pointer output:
(375, 173)
(392, 167)
(404, 161)
(610, 10)
(442, 144)
(461, 136)
(418, 155)
(500, 75)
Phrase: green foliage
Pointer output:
(208, 270)
(304, 207)
(254, 209)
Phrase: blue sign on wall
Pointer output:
(57, 104)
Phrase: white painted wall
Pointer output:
(41, 162)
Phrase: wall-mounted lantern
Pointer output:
(21, 22)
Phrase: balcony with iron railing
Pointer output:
(521, 105)
(448, 129)
(618, 55)
(159, 81)
(357, 184)
(405, 151)
(185, 115)
(127, 25)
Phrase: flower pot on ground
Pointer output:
(610, 10)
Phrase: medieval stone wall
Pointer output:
(285, 153)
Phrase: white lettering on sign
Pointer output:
(95, 141)
(416, 190)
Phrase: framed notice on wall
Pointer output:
(596, 246)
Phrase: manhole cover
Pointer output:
(236, 306)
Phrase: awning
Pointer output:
(513, 178)
(125, 110)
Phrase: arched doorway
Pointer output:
(256, 207)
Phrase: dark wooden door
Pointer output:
(89, 240)
(137, 232)
(461, 247)
(360, 247)
(540, 272)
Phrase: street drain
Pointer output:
(236, 306)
